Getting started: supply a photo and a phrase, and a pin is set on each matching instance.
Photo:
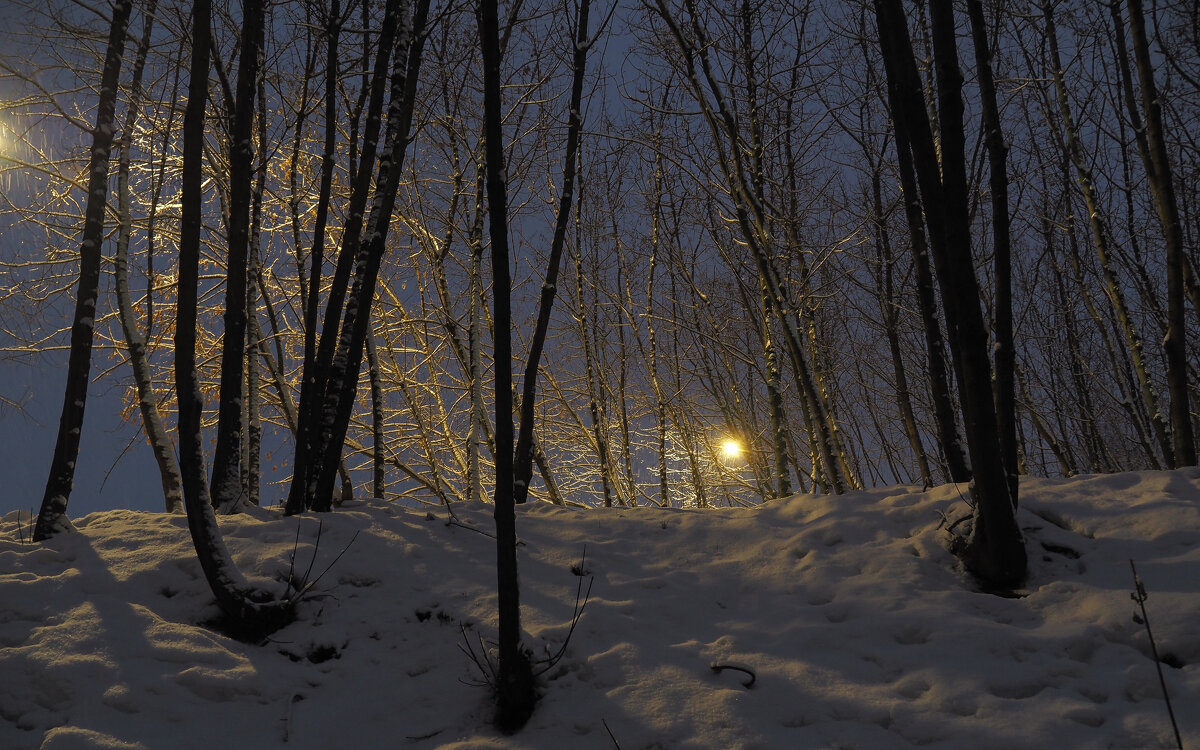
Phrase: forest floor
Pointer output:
(860, 629)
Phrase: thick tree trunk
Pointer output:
(52, 515)
(250, 613)
(1003, 377)
(995, 551)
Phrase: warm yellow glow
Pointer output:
(731, 450)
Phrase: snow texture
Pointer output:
(861, 629)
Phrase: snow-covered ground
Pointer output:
(860, 628)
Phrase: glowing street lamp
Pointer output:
(731, 450)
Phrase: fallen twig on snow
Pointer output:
(1140, 597)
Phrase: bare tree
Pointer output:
(515, 693)
(1163, 188)
(52, 516)
(135, 339)
(250, 611)
(995, 551)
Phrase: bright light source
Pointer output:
(731, 450)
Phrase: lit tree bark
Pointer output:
(52, 515)
(343, 377)
(156, 433)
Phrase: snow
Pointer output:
(860, 628)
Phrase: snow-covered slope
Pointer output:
(860, 628)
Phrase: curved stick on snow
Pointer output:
(718, 668)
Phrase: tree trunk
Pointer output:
(995, 551)
(515, 694)
(949, 440)
(1002, 328)
(342, 382)
(888, 308)
(1163, 189)
(1101, 240)
(313, 389)
(523, 463)
(135, 340)
(227, 477)
(378, 464)
(52, 515)
(250, 613)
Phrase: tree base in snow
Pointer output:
(997, 561)
(516, 695)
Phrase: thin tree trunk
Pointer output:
(595, 396)
(52, 515)
(891, 328)
(378, 460)
(475, 344)
(227, 480)
(135, 340)
(515, 694)
(342, 382)
(314, 387)
(305, 437)
(949, 440)
(1163, 189)
(252, 456)
(1100, 237)
(660, 406)
(523, 463)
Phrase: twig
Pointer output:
(292, 562)
(718, 668)
(1140, 597)
(308, 586)
(316, 548)
(576, 615)
(453, 521)
(482, 663)
(611, 736)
